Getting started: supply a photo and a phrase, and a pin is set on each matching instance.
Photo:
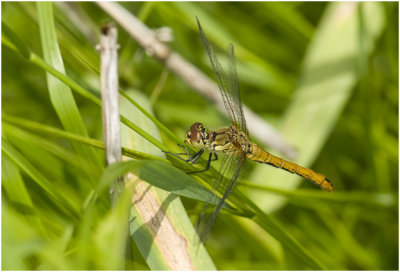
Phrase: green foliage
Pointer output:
(323, 73)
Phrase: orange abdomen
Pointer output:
(259, 155)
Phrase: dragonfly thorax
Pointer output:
(226, 140)
(240, 140)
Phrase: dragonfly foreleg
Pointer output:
(193, 159)
(210, 159)
(190, 158)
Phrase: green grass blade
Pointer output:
(17, 193)
(10, 39)
(385, 200)
(60, 95)
(55, 132)
(13, 41)
(39, 147)
(107, 239)
(288, 242)
(19, 240)
(42, 181)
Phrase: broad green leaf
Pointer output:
(159, 224)
(161, 175)
(329, 75)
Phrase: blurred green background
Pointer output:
(355, 228)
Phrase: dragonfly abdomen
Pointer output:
(256, 153)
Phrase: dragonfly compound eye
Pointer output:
(196, 126)
(194, 134)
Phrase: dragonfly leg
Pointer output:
(193, 159)
(198, 155)
(208, 163)
(186, 151)
(190, 158)
(215, 157)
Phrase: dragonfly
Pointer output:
(233, 142)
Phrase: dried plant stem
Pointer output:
(109, 95)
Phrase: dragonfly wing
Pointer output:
(227, 83)
(233, 165)
(232, 95)
(232, 169)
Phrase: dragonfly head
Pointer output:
(195, 135)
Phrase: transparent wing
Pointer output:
(232, 170)
(233, 165)
(227, 83)
(232, 95)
